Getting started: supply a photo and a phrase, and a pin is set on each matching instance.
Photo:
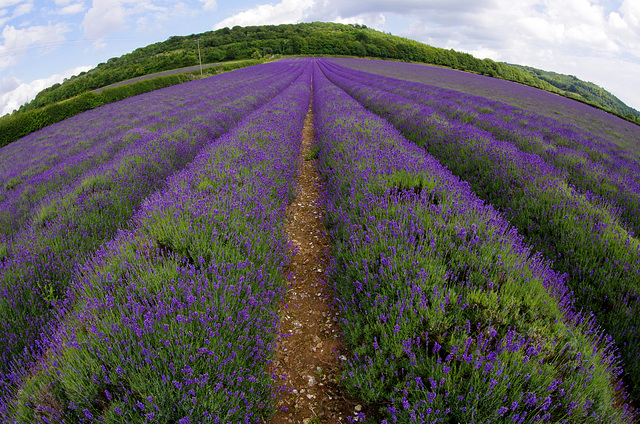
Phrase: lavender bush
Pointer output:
(590, 163)
(175, 317)
(587, 118)
(582, 238)
(38, 269)
(450, 316)
(141, 277)
(55, 157)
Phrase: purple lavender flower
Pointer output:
(572, 228)
(445, 268)
(148, 299)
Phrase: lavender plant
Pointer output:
(590, 163)
(38, 268)
(39, 165)
(582, 238)
(175, 317)
(449, 314)
(567, 111)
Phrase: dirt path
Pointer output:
(307, 353)
(161, 74)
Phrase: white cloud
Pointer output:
(209, 5)
(631, 12)
(285, 12)
(625, 27)
(152, 19)
(8, 84)
(72, 9)
(484, 53)
(541, 29)
(9, 3)
(616, 21)
(140, 16)
(14, 93)
(23, 9)
(374, 20)
(182, 10)
(17, 42)
(103, 17)
(328, 9)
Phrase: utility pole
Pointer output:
(199, 59)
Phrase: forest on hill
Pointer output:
(317, 38)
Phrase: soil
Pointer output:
(309, 346)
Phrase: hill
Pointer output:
(317, 38)
(584, 91)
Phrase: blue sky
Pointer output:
(44, 41)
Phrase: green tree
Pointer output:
(358, 49)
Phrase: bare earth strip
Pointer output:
(162, 74)
(306, 359)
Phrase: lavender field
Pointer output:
(562, 109)
(484, 265)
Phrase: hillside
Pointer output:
(584, 91)
(315, 38)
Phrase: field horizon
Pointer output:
(316, 38)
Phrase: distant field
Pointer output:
(484, 262)
(16, 126)
(163, 73)
(585, 117)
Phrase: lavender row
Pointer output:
(469, 107)
(449, 315)
(583, 239)
(77, 133)
(479, 110)
(84, 133)
(567, 111)
(99, 136)
(38, 270)
(175, 318)
(589, 163)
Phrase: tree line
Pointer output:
(316, 38)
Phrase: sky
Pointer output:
(42, 42)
